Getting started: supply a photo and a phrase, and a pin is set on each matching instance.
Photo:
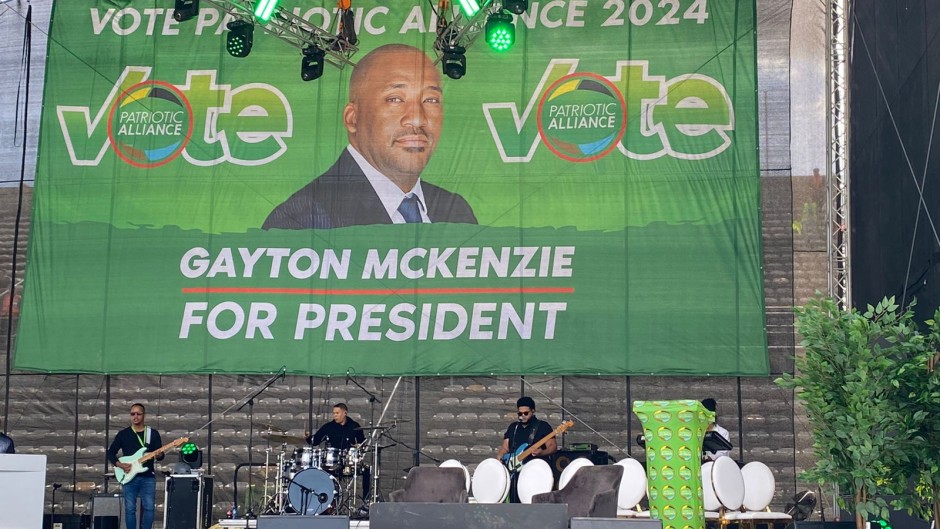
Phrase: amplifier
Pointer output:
(188, 502)
(564, 457)
(106, 510)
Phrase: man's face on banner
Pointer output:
(395, 115)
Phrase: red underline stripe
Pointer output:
(377, 292)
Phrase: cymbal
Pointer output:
(372, 428)
(270, 427)
(283, 438)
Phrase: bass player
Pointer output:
(526, 431)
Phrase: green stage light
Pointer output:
(469, 7)
(264, 9)
(240, 37)
(500, 33)
(191, 455)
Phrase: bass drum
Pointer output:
(313, 491)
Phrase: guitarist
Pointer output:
(144, 485)
(527, 430)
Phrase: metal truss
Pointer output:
(839, 227)
(293, 30)
(461, 31)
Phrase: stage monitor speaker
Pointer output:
(66, 521)
(615, 523)
(564, 457)
(467, 515)
(821, 525)
(303, 522)
(188, 502)
(106, 511)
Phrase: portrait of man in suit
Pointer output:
(393, 120)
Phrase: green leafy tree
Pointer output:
(918, 397)
(848, 382)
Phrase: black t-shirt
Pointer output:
(342, 436)
(528, 433)
(128, 442)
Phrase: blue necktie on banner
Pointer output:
(409, 209)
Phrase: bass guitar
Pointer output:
(138, 458)
(513, 461)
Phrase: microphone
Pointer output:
(283, 372)
(56, 486)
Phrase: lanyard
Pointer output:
(139, 438)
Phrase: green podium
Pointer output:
(674, 430)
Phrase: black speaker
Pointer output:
(66, 521)
(564, 457)
(293, 521)
(468, 515)
(615, 523)
(106, 511)
(822, 525)
(188, 502)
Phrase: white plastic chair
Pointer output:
(632, 489)
(759, 487)
(535, 478)
(490, 482)
(453, 463)
(572, 467)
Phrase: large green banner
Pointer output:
(585, 202)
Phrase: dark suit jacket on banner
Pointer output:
(343, 196)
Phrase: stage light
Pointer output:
(516, 7)
(500, 33)
(185, 9)
(264, 9)
(191, 455)
(469, 7)
(240, 37)
(454, 62)
(311, 64)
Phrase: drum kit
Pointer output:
(310, 480)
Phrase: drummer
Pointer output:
(343, 433)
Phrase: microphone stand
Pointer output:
(249, 514)
(305, 497)
(55, 487)
(372, 398)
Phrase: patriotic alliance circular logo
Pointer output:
(582, 117)
(150, 124)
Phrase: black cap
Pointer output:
(710, 404)
(525, 401)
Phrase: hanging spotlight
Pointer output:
(516, 7)
(240, 37)
(454, 62)
(500, 33)
(185, 9)
(311, 64)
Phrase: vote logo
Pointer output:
(150, 124)
(582, 117)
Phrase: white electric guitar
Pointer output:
(138, 458)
